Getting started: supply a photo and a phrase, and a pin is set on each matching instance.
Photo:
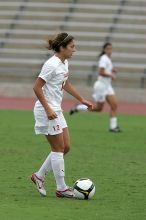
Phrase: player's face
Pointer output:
(108, 50)
(69, 50)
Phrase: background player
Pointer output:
(50, 121)
(103, 90)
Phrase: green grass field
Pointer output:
(115, 162)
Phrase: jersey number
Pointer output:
(56, 128)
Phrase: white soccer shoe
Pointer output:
(39, 184)
(68, 193)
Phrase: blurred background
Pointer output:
(25, 26)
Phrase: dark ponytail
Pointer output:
(50, 42)
(103, 48)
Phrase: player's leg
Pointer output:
(112, 101)
(41, 127)
(57, 143)
(66, 139)
(46, 166)
(66, 192)
(57, 159)
(78, 108)
(39, 176)
(98, 107)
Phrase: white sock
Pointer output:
(46, 167)
(81, 107)
(113, 122)
(57, 161)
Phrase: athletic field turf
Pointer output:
(115, 162)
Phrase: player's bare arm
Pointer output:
(68, 87)
(39, 93)
(104, 73)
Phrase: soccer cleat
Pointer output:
(68, 193)
(39, 184)
(73, 109)
(115, 130)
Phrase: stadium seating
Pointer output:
(25, 26)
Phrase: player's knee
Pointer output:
(59, 148)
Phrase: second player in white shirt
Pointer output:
(103, 90)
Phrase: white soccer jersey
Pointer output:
(105, 62)
(55, 74)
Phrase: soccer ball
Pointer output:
(84, 188)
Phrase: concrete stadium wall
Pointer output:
(26, 90)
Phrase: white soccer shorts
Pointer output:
(101, 90)
(45, 126)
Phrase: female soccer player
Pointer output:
(103, 90)
(49, 120)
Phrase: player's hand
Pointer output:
(115, 71)
(113, 76)
(88, 104)
(51, 114)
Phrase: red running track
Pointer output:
(28, 103)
